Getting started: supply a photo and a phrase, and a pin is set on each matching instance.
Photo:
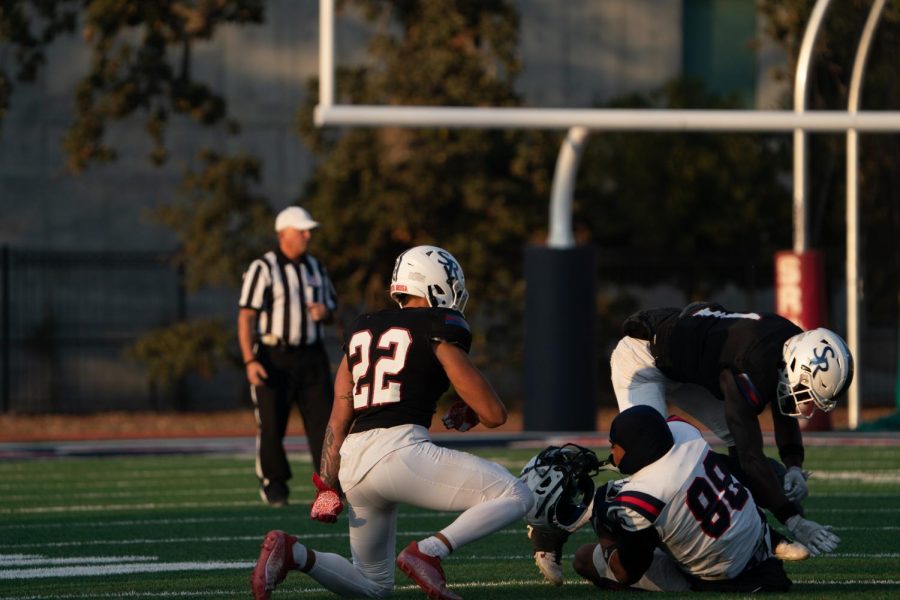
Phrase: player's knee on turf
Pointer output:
(583, 562)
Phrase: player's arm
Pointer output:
(743, 423)
(788, 439)
(338, 426)
(471, 384)
(630, 553)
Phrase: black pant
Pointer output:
(300, 375)
(767, 576)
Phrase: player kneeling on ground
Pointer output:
(378, 452)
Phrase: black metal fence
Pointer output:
(67, 318)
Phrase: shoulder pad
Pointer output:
(695, 307)
(643, 324)
(448, 325)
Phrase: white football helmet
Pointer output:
(817, 368)
(560, 477)
(431, 273)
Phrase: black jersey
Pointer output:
(696, 345)
(397, 379)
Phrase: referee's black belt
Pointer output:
(277, 343)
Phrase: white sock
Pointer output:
(300, 554)
(434, 547)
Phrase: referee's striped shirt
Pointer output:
(279, 290)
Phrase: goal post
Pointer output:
(328, 112)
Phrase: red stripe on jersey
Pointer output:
(645, 506)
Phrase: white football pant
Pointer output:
(427, 476)
(663, 575)
(636, 381)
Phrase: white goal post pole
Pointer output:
(801, 77)
(570, 153)
(853, 282)
(610, 119)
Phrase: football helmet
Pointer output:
(431, 273)
(560, 479)
(817, 368)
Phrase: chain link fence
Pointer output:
(68, 318)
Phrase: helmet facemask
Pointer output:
(798, 400)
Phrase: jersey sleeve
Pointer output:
(633, 510)
(253, 288)
(450, 326)
(749, 392)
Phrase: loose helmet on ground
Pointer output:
(560, 477)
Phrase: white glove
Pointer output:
(817, 538)
(795, 487)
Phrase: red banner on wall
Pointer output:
(800, 287)
(800, 297)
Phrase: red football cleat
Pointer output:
(276, 558)
(426, 571)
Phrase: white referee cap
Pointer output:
(296, 218)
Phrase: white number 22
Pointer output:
(383, 389)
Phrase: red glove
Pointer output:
(460, 416)
(327, 505)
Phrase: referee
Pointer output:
(285, 300)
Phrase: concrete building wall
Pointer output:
(575, 53)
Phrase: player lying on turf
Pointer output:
(680, 521)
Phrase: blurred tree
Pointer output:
(879, 154)
(141, 66)
(685, 200)
(480, 194)
(219, 205)
(28, 27)
(140, 63)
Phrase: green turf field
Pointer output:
(190, 527)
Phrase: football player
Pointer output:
(724, 368)
(378, 452)
(680, 521)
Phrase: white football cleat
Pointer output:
(791, 551)
(549, 567)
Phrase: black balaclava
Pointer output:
(644, 435)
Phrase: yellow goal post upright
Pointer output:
(561, 258)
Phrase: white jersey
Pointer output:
(706, 520)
